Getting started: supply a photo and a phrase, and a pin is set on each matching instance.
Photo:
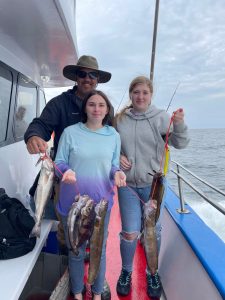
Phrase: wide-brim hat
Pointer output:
(86, 61)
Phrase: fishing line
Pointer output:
(163, 154)
(121, 100)
(136, 194)
(46, 156)
(166, 148)
(167, 137)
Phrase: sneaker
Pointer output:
(154, 285)
(106, 293)
(124, 283)
(83, 292)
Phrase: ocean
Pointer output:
(205, 157)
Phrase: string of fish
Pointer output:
(152, 207)
(86, 222)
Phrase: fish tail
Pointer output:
(36, 231)
(76, 251)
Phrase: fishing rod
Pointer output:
(173, 96)
(121, 100)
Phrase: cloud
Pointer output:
(190, 50)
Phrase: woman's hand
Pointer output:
(120, 178)
(178, 116)
(124, 163)
(69, 177)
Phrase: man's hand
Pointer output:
(120, 178)
(69, 177)
(35, 145)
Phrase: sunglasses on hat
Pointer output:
(83, 74)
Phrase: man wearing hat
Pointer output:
(65, 110)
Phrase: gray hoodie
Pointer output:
(143, 144)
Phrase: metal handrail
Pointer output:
(193, 187)
(200, 179)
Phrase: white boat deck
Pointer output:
(14, 273)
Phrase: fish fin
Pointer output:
(75, 251)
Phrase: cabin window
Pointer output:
(26, 105)
(5, 96)
(42, 101)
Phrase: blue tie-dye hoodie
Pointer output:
(94, 156)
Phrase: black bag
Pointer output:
(16, 224)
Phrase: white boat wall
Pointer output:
(37, 39)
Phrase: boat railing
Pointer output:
(181, 178)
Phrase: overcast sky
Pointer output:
(190, 51)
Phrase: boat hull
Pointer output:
(191, 260)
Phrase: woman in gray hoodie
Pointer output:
(143, 129)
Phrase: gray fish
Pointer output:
(150, 240)
(73, 220)
(43, 193)
(96, 241)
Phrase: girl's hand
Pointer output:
(124, 163)
(69, 177)
(178, 116)
(120, 178)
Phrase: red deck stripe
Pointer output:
(113, 267)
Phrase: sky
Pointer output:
(190, 52)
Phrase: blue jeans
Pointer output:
(76, 263)
(131, 211)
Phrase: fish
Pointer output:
(43, 192)
(157, 191)
(73, 220)
(150, 240)
(86, 223)
(96, 241)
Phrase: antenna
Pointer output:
(154, 40)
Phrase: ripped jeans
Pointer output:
(131, 211)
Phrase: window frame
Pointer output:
(10, 137)
(11, 104)
(19, 76)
